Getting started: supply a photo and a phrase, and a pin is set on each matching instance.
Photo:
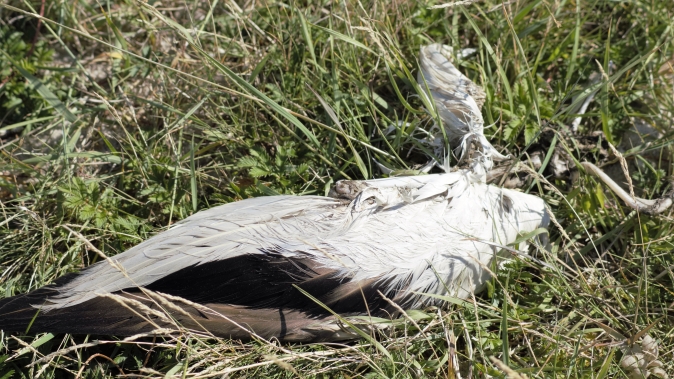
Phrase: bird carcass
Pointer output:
(283, 266)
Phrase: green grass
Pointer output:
(136, 114)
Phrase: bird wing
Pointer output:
(250, 226)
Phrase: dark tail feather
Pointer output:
(108, 316)
(22, 313)
(97, 316)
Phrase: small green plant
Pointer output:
(85, 202)
(280, 168)
(18, 100)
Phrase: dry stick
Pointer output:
(452, 358)
(37, 31)
(451, 345)
(623, 165)
(94, 356)
(469, 347)
(7, 220)
(150, 351)
(164, 301)
(26, 346)
(626, 172)
(136, 306)
(656, 206)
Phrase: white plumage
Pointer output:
(410, 232)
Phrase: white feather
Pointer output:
(457, 99)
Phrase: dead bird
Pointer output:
(284, 267)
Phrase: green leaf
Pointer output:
(306, 33)
(248, 161)
(492, 53)
(504, 331)
(267, 191)
(606, 365)
(417, 315)
(27, 122)
(257, 172)
(343, 37)
(599, 195)
(118, 35)
(530, 132)
(530, 235)
(35, 344)
(193, 178)
(106, 157)
(174, 370)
